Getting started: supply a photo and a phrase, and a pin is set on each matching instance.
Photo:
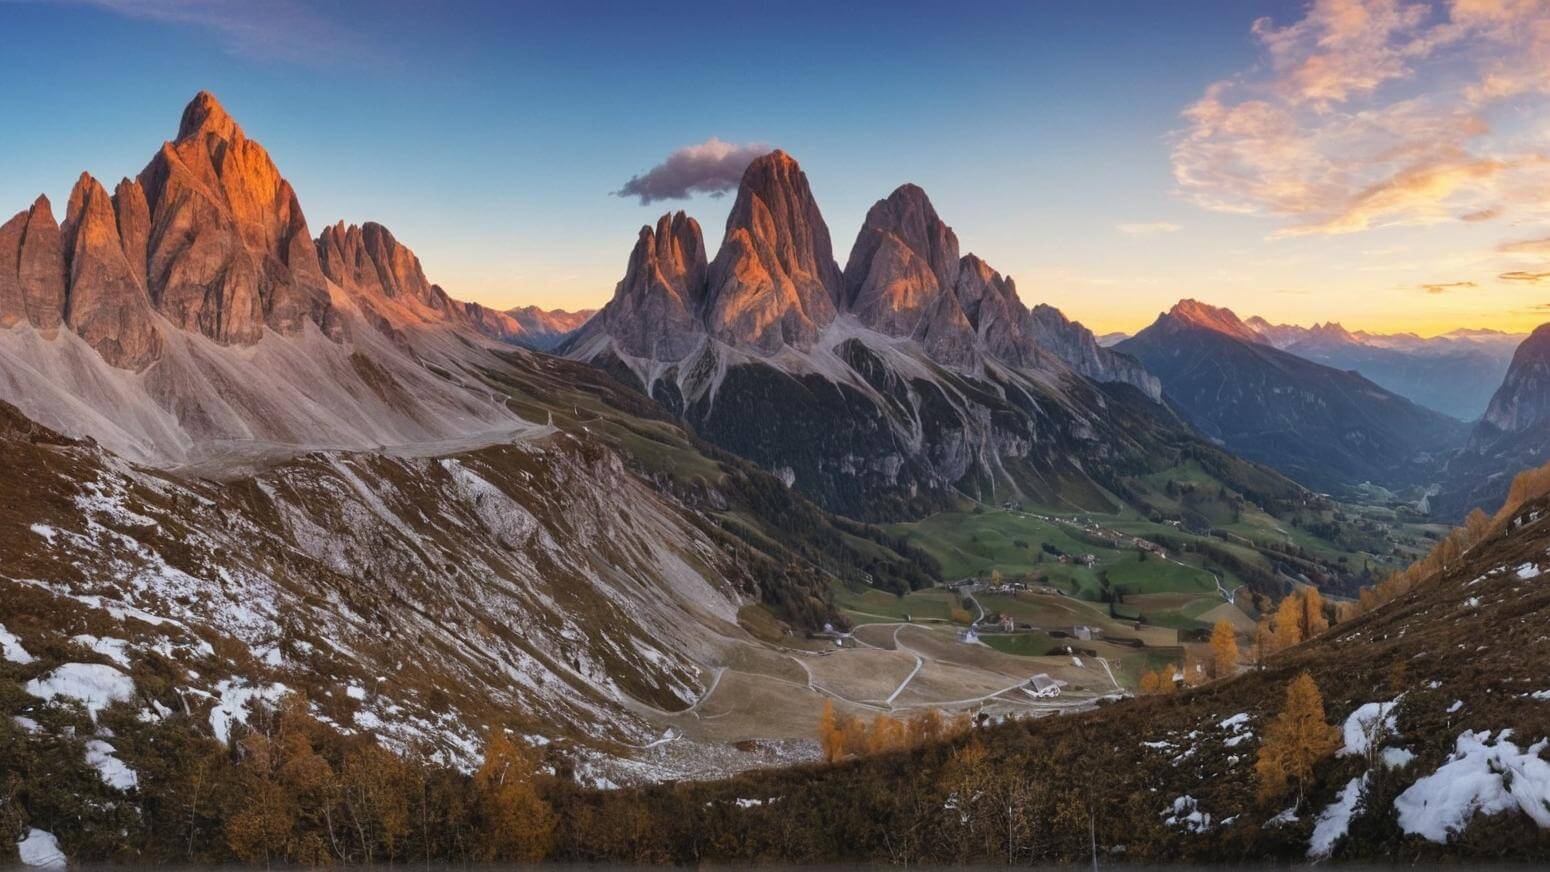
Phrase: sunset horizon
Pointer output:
(1366, 218)
(723, 434)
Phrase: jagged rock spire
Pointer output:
(902, 274)
(655, 311)
(32, 268)
(107, 305)
(774, 282)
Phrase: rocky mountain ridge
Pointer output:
(913, 373)
(191, 310)
(1324, 427)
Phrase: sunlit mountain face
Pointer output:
(1033, 434)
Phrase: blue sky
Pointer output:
(489, 137)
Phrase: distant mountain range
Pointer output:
(1324, 427)
(1454, 373)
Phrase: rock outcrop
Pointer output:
(774, 283)
(1076, 345)
(1522, 402)
(369, 261)
(228, 250)
(1000, 319)
(107, 304)
(902, 277)
(1193, 314)
(655, 311)
(32, 268)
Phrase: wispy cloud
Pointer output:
(1148, 228)
(1444, 287)
(1525, 246)
(1372, 113)
(712, 167)
(281, 30)
(1532, 278)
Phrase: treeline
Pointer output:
(843, 735)
(287, 789)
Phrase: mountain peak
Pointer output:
(1523, 400)
(774, 281)
(655, 309)
(1332, 330)
(205, 114)
(903, 272)
(1193, 313)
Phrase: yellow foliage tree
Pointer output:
(1295, 741)
(1224, 650)
(1288, 622)
(1149, 682)
(829, 734)
(1264, 640)
(1312, 621)
(518, 826)
(927, 727)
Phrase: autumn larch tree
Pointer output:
(1288, 622)
(1312, 622)
(1295, 742)
(1224, 650)
(518, 824)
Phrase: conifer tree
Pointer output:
(1295, 741)
(1224, 650)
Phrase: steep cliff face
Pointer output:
(108, 306)
(190, 309)
(774, 283)
(228, 250)
(1513, 435)
(1076, 345)
(902, 277)
(32, 268)
(655, 311)
(1523, 401)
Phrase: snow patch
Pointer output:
(99, 756)
(1335, 821)
(41, 850)
(113, 649)
(235, 695)
(1369, 723)
(94, 685)
(1484, 776)
(1397, 758)
(11, 647)
(1185, 814)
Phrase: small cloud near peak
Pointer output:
(711, 167)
